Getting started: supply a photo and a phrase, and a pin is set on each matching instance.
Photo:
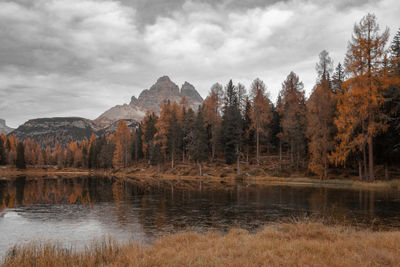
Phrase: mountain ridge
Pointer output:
(150, 99)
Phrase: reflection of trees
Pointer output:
(171, 205)
(176, 205)
(25, 192)
(340, 204)
(120, 196)
(318, 200)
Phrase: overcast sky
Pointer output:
(81, 57)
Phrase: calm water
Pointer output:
(76, 211)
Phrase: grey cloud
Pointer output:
(149, 11)
(56, 36)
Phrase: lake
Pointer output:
(75, 211)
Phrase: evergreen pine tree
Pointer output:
(187, 129)
(395, 53)
(293, 111)
(137, 147)
(3, 159)
(149, 131)
(199, 143)
(231, 125)
(387, 147)
(338, 79)
(20, 161)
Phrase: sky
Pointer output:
(81, 57)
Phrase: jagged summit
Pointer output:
(4, 128)
(150, 99)
(190, 92)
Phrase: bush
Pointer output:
(257, 172)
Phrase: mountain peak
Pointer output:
(190, 92)
(163, 86)
(150, 99)
(4, 128)
(164, 78)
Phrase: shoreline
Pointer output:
(151, 176)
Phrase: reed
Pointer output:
(280, 244)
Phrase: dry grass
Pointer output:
(297, 244)
(252, 174)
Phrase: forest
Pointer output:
(350, 121)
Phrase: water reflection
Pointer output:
(77, 210)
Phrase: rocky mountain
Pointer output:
(4, 129)
(191, 93)
(150, 99)
(125, 112)
(47, 131)
(132, 124)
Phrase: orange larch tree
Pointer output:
(320, 115)
(359, 118)
(122, 153)
(212, 116)
(261, 113)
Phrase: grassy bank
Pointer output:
(252, 174)
(298, 244)
(249, 175)
(11, 171)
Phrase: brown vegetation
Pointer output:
(299, 244)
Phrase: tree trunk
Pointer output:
(291, 156)
(386, 171)
(280, 154)
(200, 173)
(360, 169)
(172, 159)
(365, 163)
(125, 157)
(136, 150)
(237, 159)
(213, 149)
(258, 147)
(247, 155)
(371, 158)
(325, 169)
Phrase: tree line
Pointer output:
(351, 120)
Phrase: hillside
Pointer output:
(47, 131)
